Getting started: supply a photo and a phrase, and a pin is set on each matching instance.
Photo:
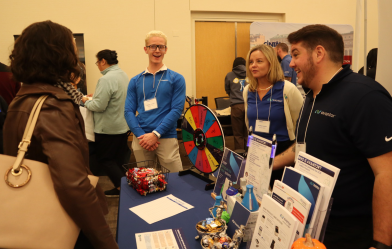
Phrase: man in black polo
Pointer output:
(346, 121)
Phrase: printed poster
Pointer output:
(229, 168)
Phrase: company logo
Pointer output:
(312, 183)
(274, 100)
(388, 139)
(327, 114)
(272, 44)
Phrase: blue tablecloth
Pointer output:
(188, 188)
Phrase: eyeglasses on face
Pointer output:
(96, 63)
(154, 47)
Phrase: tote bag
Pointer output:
(31, 215)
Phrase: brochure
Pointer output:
(170, 239)
(242, 216)
(294, 202)
(229, 168)
(258, 166)
(275, 226)
(324, 173)
(308, 187)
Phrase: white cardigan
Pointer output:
(292, 105)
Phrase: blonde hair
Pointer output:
(275, 72)
(155, 33)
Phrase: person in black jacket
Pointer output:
(371, 64)
(235, 82)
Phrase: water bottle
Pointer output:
(250, 201)
(218, 200)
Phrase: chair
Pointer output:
(222, 103)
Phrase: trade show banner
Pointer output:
(273, 33)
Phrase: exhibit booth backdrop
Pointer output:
(121, 25)
(274, 33)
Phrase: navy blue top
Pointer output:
(351, 121)
(277, 118)
(287, 70)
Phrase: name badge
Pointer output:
(262, 126)
(150, 104)
(299, 147)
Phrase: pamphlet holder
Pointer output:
(324, 228)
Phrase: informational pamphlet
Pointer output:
(229, 168)
(88, 117)
(294, 202)
(242, 216)
(324, 173)
(258, 167)
(275, 226)
(169, 239)
(169, 206)
(311, 189)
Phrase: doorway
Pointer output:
(217, 44)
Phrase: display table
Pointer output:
(188, 188)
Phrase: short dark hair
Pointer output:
(45, 52)
(239, 61)
(283, 46)
(109, 55)
(313, 35)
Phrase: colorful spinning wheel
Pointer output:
(203, 138)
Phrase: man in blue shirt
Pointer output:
(289, 74)
(158, 96)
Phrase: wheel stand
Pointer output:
(209, 178)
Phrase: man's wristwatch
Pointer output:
(156, 134)
(378, 245)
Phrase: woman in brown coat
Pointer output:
(45, 60)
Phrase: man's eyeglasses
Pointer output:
(154, 47)
(96, 63)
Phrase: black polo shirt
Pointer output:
(351, 121)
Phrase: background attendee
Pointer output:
(8, 86)
(289, 74)
(270, 100)
(110, 127)
(346, 121)
(235, 82)
(58, 138)
(3, 114)
(371, 64)
(158, 95)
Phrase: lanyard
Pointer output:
(257, 109)
(144, 76)
(311, 110)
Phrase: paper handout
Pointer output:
(168, 206)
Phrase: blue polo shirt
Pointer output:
(287, 70)
(277, 118)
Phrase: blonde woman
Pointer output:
(272, 104)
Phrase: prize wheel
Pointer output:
(203, 138)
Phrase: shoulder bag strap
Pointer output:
(26, 140)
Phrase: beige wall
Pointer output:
(121, 25)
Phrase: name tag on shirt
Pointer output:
(150, 104)
(299, 147)
(262, 126)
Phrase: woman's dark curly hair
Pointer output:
(45, 52)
